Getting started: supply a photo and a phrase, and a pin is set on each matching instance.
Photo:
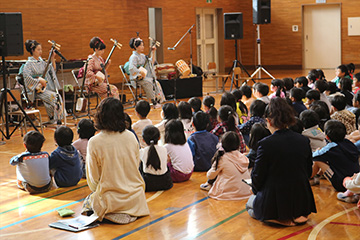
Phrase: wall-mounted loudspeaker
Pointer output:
(233, 25)
(261, 12)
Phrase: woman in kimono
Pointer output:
(39, 87)
(95, 80)
(118, 192)
(146, 80)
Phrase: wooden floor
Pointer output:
(183, 212)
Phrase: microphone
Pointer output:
(171, 48)
(59, 53)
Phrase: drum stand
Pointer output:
(4, 101)
(236, 63)
(260, 68)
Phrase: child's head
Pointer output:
(324, 106)
(195, 104)
(356, 100)
(351, 68)
(332, 88)
(341, 71)
(185, 111)
(237, 94)
(63, 136)
(296, 94)
(174, 132)
(226, 114)
(309, 118)
(230, 141)
(128, 121)
(345, 84)
(151, 136)
(321, 74)
(209, 105)
(170, 111)
(335, 131)
(86, 128)
(228, 99)
(260, 89)
(312, 95)
(277, 85)
(142, 108)
(338, 102)
(321, 85)
(258, 131)
(257, 108)
(297, 127)
(33, 141)
(301, 82)
(313, 75)
(246, 90)
(201, 121)
(356, 79)
(288, 83)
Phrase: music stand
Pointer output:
(3, 101)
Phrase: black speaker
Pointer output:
(233, 25)
(11, 34)
(261, 12)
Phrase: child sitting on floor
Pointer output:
(186, 117)
(339, 158)
(311, 120)
(296, 96)
(142, 109)
(229, 168)
(261, 90)
(86, 130)
(154, 168)
(247, 98)
(202, 143)
(278, 88)
(352, 184)
(181, 164)
(195, 104)
(209, 103)
(169, 111)
(338, 102)
(241, 109)
(32, 166)
(65, 164)
(258, 131)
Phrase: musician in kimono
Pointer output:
(40, 85)
(141, 71)
(96, 80)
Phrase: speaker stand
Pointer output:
(260, 67)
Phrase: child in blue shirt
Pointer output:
(202, 143)
(32, 166)
(65, 163)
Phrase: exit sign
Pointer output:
(208, 1)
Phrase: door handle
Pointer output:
(307, 37)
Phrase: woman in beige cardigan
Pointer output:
(118, 190)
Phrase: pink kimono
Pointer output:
(232, 168)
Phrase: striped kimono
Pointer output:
(32, 70)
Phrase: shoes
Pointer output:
(349, 199)
(120, 218)
(315, 180)
(205, 186)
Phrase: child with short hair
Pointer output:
(298, 126)
(261, 90)
(153, 165)
(142, 109)
(257, 110)
(195, 104)
(209, 106)
(321, 86)
(311, 120)
(247, 98)
(302, 82)
(202, 143)
(341, 72)
(288, 85)
(311, 96)
(229, 168)
(341, 114)
(169, 111)
(32, 166)
(227, 123)
(322, 111)
(64, 163)
(186, 117)
(277, 87)
(258, 131)
(180, 164)
(346, 89)
(339, 158)
(86, 130)
(296, 96)
(241, 109)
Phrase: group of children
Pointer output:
(189, 139)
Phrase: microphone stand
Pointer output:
(191, 55)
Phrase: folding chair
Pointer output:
(132, 85)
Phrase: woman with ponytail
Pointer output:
(228, 169)
(227, 123)
(154, 162)
(277, 87)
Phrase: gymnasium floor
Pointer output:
(183, 212)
